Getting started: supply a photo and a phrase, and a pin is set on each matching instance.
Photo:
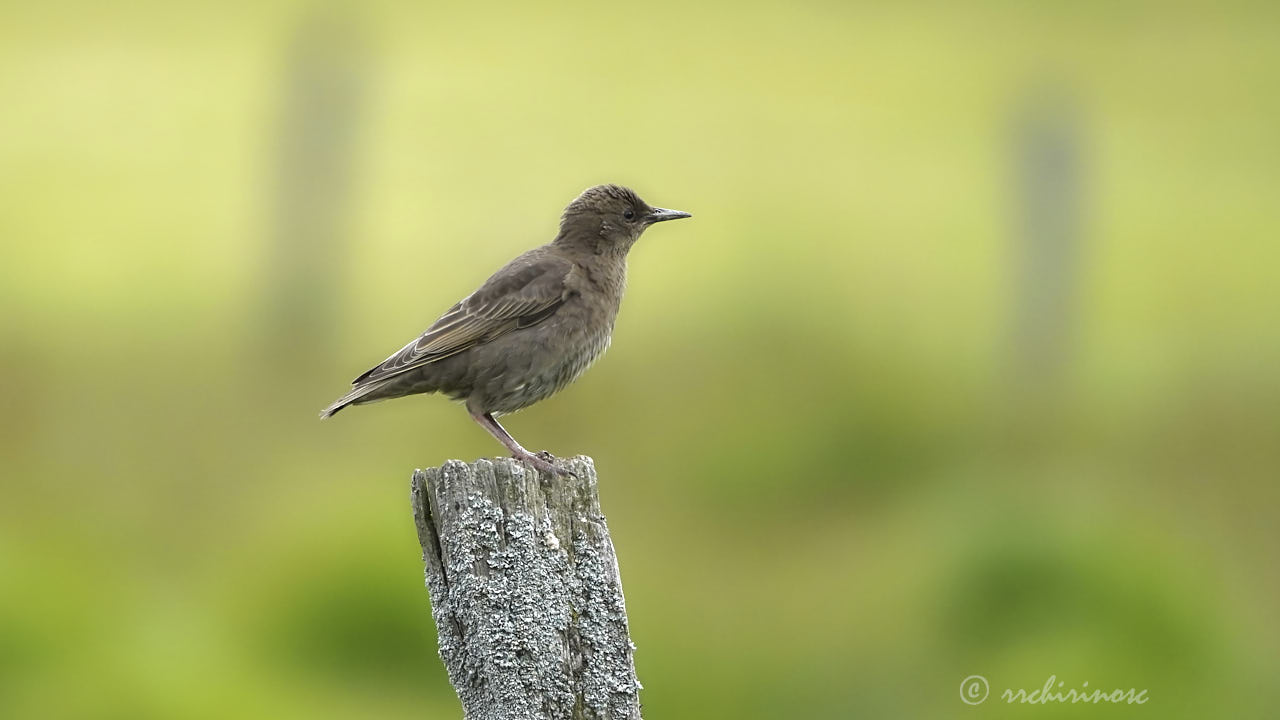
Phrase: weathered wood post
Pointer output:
(525, 592)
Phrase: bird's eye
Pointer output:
(629, 215)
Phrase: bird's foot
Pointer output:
(545, 462)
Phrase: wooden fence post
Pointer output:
(525, 592)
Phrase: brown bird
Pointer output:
(532, 328)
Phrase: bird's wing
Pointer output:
(524, 293)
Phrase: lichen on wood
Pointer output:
(525, 591)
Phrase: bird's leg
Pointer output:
(541, 461)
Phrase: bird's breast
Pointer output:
(537, 362)
(588, 329)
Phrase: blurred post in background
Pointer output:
(1049, 192)
(322, 109)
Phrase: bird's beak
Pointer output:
(657, 215)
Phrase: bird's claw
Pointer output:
(545, 462)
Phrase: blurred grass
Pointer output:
(829, 495)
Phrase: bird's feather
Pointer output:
(526, 292)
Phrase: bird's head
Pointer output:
(610, 218)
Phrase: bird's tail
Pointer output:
(351, 397)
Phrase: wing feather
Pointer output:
(524, 293)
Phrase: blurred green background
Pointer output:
(968, 362)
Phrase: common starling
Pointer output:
(532, 328)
